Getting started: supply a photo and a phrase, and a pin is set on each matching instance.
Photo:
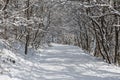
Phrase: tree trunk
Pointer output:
(26, 44)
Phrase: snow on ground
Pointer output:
(58, 62)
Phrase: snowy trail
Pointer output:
(61, 62)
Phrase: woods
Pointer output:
(93, 25)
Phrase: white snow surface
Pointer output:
(58, 62)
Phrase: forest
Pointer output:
(92, 25)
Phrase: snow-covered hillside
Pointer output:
(58, 62)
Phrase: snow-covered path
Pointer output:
(61, 62)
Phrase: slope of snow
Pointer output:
(58, 62)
